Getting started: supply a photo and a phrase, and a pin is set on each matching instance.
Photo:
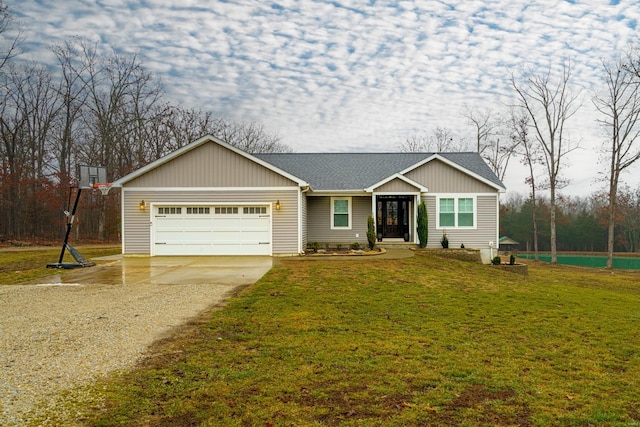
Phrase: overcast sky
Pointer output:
(357, 75)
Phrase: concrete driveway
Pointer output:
(64, 331)
(219, 270)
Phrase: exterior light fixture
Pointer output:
(278, 206)
(142, 205)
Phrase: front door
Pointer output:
(393, 216)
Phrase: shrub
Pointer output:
(444, 241)
(371, 232)
(496, 260)
(355, 246)
(512, 259)
(423, 225)
(314, 246)
(461, 245)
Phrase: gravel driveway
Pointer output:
(68, 330)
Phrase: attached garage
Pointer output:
(211, 230)
(209, 198)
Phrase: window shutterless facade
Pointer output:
(341, 213)
(456, 211)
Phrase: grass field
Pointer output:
(370, 342)
(19, 265)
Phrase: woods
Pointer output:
(581, 222)
(96, 108)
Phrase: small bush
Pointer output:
(444, 241)
(371, 232)
(512, 259)
(314, 246)
(496, 260)
(355, 246)
(461, 245)
(423, 225)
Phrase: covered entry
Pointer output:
(211, 230)
(394, 215)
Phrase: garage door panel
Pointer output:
(212, 230)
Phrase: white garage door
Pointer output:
(211, 230)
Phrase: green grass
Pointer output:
(25, 264)
(421, 341)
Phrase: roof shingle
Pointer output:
(357, 171)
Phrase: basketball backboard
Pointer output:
(90, 175)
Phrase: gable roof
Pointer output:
(205, 139)
(358, 171)
(397, 176)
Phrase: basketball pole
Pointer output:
(69, 225)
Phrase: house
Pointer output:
(210, 198)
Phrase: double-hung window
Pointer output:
(341, 213)
(455, 212)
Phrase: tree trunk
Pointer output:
(552, 221)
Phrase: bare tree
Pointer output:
(628, 207)
(549, 104)
(414, 144)
(73, 96)
(440, 140)
(29, 107)
(11, 38)
(528, 154)
(620, 110)
(485, 125)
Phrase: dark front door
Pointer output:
(393, 216)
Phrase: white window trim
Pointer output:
(455, 198)
(350, 203)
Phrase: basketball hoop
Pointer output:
(103, 187)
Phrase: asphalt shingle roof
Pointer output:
(356, 171)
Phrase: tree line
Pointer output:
(533, 132)
(93, 108)
(582, 222)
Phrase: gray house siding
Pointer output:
(396, 186)
(319, 221)
(439, 177)
(485, 232)
(210, 165)
(136, 223)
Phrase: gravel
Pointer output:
(54, 337)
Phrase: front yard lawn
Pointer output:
(420, 341)
(19, 265)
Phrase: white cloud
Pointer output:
(357, 75)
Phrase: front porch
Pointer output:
(394, 216)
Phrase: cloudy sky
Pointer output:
(353, 75)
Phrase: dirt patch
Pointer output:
(499, 408)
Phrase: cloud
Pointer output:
(357, 75)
